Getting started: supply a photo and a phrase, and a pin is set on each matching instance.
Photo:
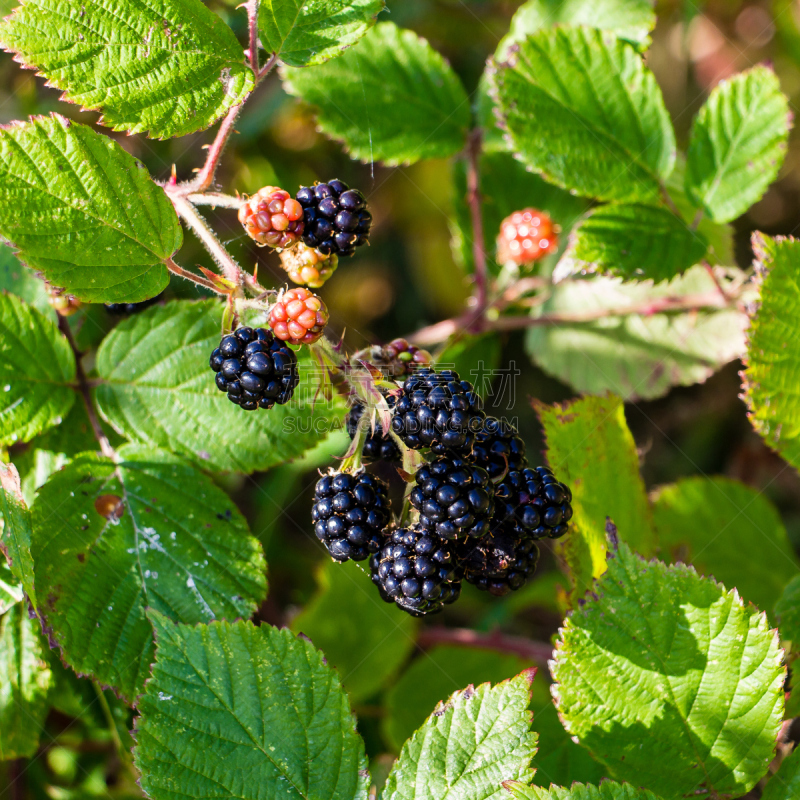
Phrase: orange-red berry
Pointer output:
(307, 266)
(272, 217)
(298, 317)
(526, 236)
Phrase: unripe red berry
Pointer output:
(272, 217)
(526, 236)
(307, 266)
(298, 317)
(403, 358)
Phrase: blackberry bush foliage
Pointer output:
(400, 451)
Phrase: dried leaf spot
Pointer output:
(110, 506)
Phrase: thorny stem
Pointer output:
(252, 23)
(215, 200)
(441, 331)
(537, 652)
(189, 214)
(190, 276)
(476, 215)
(83, 385)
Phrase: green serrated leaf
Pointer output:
(235, 710)
(157, 388)
(392, 99)
(713, 524)
(302, 33)
(583, 110)
(738, 143)
(773, 348)
(473, 742)
(36, 370)
(607, 790)
(670, 680)
(785, 783)
(15, 540)
(641, 354)
(16, 279)
(634, 241)
(110, 541)
(365, 640)
(167, 67)
(787, 612)
(25, 682)
(433, 677)
(718, 234)
(591, 449)
(507, 186)
(631, 20)
(84, 212)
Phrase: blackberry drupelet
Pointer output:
(438, 410)
(526, 236)
(272, 217)
(255, 369)
(498, 448)
(298, 316)
(124, 309)
(417, 571)
(455, 498)
(306, 266)
(500, 563)
(377, 447)
(350, 513)
(335, 218)
(542, 503)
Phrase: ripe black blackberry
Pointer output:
(438, 410)
(377, 447)
(540, 503)
(500, 563)
(498, 448)
(350, 513)
(255, 369)
(124, 309)
(455, 498)
(335, 218)
(417, 571)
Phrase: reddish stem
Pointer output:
(83, 385)
(476, 216)
(537, 652)
(252, 22)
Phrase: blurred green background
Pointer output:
(408, 278)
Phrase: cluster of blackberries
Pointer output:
(480, 508)
(125, 309)
(254, 368)
(335, 218)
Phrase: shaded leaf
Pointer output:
(432, 677)
(785, 783)
(583, 110)
(246, 712)
(110, 541)
(10, 590)
(475, 358)
(473, 742)
(787, 612)
(392, 99)
(15, 540)
(25, 681)
(714, 524)
(17, 279)
(641, 354)
(302, 33)
(167, 67)
(634, 241)
(773, 348)
(84, 212)
(158, 389)
(363, 638)
(737, 144)
(670, 680)
(591, 449)
(36, 370)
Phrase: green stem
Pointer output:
(111, 722)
